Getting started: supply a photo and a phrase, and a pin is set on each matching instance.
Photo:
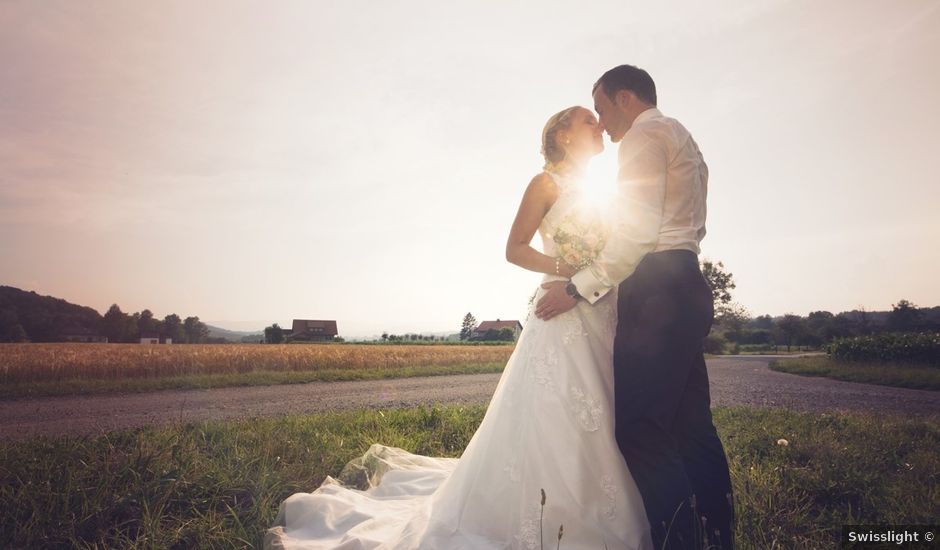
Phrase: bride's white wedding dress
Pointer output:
(549, 426)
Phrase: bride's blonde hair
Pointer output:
(554, 152)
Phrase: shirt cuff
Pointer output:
(589, 286)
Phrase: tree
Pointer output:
(843, 326)
(146, 322)
(273, 334)
(763, 322)
(791, 327)
(133, 327)
(820, 326)
(904, 317)
(384, 336)
(721, 283)
(173, 328)
(506, 335)
(114, 324)
(196, 331)
(757, 337)
(732, 319)
(466, 329)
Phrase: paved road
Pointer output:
(742, 380)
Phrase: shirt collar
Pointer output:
(652, 112)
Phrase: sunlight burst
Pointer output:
(600, 182)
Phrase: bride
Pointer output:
(544, 455)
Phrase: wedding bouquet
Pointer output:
(578, 240)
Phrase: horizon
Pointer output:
(242, 326)
(329, 161)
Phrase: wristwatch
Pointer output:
(572, 290)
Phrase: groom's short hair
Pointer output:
(628, 77)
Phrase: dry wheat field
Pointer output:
(31, 363)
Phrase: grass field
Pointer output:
(219, 484)
(59, 369)
(902, 375)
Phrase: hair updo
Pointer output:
(553, 151)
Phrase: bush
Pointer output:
(897, 346)
(758, 337)
(715, 344)
(762, 348)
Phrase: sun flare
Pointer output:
(600, 181)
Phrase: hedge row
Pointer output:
(892, 346)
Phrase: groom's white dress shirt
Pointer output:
(660, 201)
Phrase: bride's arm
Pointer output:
(538, 198)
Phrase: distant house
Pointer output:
(485, 327)
(313, 331)
(82, 334)
(153, 338)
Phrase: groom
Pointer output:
(663, 418)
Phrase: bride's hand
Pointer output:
(566, 270)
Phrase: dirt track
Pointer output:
(734, 381)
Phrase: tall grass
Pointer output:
(885, 373)
(798, 477)
(218, 484)
(61, 368)
(896, 347)
(214, 484)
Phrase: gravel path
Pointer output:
(741, 380)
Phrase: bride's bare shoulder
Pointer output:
(543, 184)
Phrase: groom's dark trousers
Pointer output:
(663, 417)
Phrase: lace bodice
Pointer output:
(571, 204)
(569, 194)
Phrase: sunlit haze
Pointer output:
(256, 162)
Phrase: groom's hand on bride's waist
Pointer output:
(555, 301)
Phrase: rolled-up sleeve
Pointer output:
(636, 215)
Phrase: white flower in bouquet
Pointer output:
(579, 239)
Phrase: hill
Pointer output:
(28, 315)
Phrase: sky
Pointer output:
(257, 162)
